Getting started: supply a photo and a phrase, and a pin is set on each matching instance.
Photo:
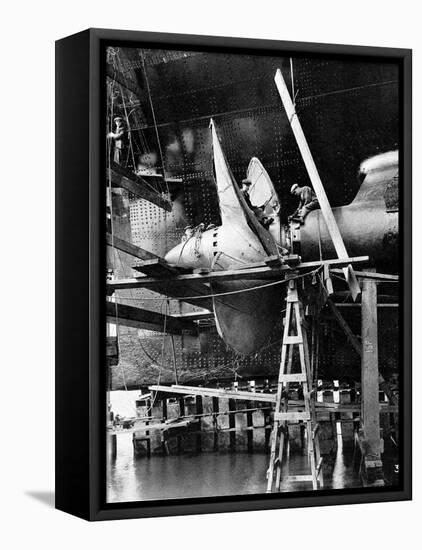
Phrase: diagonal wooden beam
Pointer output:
(357, 346)
(129, 248)
(316, 182)
(372, 275)
(186, 291)
(148, 320)
(215, 392)
(258, 396)
(158, 267)
(121, 177)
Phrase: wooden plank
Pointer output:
(152, 427)
(187, 421)
(232, 425)
(251, 273)
(290, 340)
(188, 291)
(121, 177)
(157, 267)
(370, 375)
(352, 281)
(262, 397)
(195, 315)
(342, 305)
(288, 378)
(316, 181)
(300, 478)
(214, 392)
(291, 416)
(371, 275)
(129, 248)
(345, 407)
(149, 320)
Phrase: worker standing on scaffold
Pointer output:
(118, 137)
(307, 203)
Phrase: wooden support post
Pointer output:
(181, 401)
(113, 446)
(215, 408)
(164, 409)
(232, 425)
(124, 178)
(164, 442)
(199, 410)
(249, 424)
(370, 434)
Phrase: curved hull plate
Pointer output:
(246, 320)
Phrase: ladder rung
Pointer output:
(291, 416)
(287, 378)
(293, 340)
(300, 478)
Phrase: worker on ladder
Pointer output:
(307, 203)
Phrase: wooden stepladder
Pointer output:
(294, 335)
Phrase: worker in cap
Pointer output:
(257, 210)
(246, 184)
(118, 138)
(307, 202)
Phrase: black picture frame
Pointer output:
(80, 284)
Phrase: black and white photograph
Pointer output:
(211, 275)
(253, 296)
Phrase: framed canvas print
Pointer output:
(233, 274)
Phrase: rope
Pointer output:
(129, 132)
(158, 141)
(154, 118)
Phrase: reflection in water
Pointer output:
(213, 474)
(339, 470)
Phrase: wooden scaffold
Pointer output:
(294, 335)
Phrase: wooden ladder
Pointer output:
(294, 322)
